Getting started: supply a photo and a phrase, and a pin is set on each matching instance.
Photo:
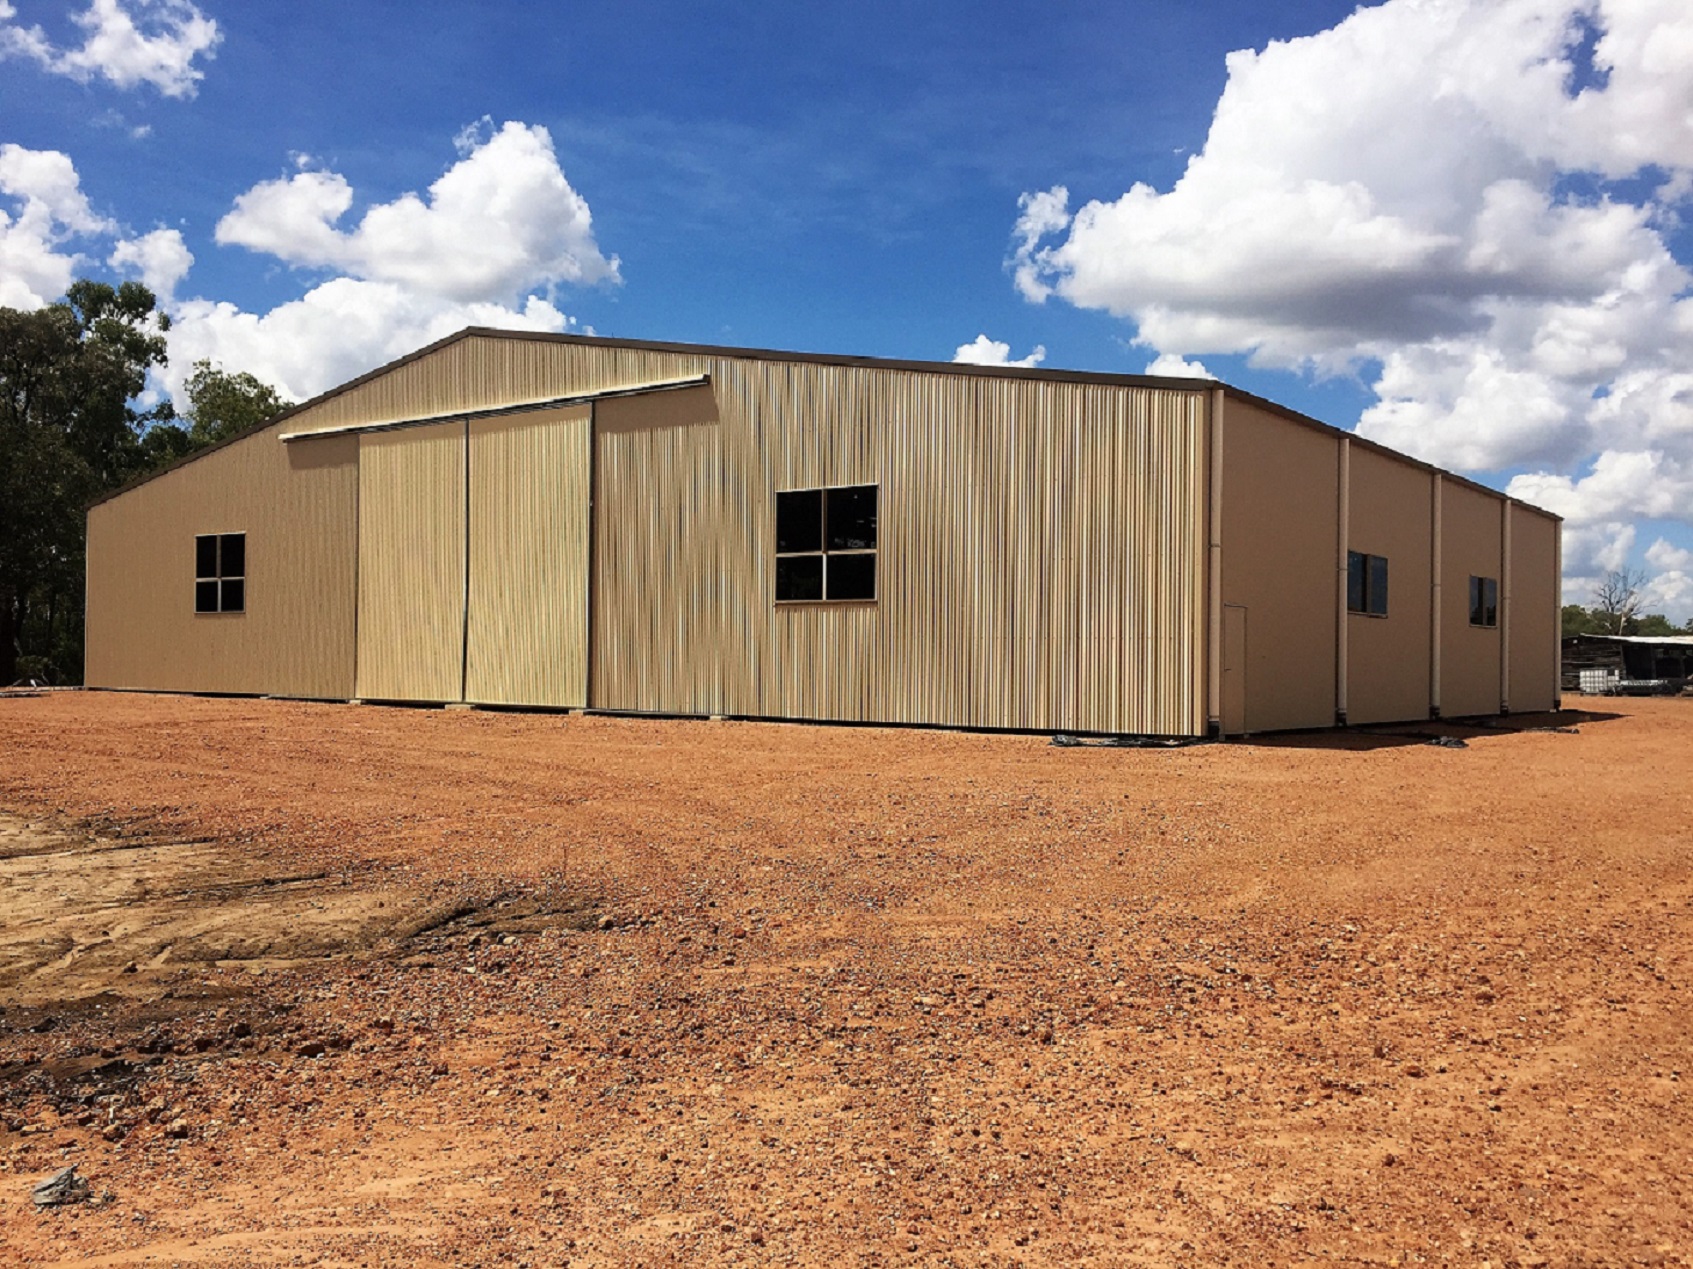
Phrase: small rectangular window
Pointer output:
(220, 572)
(799, 521)
(1484, 601)
(1366, 584)
(826, 544)
(852, 518)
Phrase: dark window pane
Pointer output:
(1355, 575)
(1475, 601)
(852, 518)
(799, 521)
(206, 556)
(205, 596)
(234, 596)
(799, 577)
(852, 577)
(232, 555)
(1490, 601)
(1378, 585)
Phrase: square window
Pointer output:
(852, 518)
(799, 577)
(233, 595)
(826, 544)
(205, 596)
(852, 576)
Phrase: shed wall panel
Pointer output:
(1281, 509)
(1040, 551)
(298, 507)
(1387, 658)
(411, 563)
(1535, 615)
(527, 639)
(666, 592)
(1471, 545)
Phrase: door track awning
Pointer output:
(578, 398)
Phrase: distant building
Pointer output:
(551, 520)
(1638, 665)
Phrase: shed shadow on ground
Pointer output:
(1370, 737)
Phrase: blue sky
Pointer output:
(1456, 224)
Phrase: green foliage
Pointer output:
(1579, 621)
(69, 374)
(222, 405)
(1654, 623)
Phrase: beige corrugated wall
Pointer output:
(1535, 611)
(1040, 555)
(528, 613)
(1387, 658)
(411, 563)
(1469, 655)
(1041, 563)
(298, 507)
(1281, 511)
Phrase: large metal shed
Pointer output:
(516, 519)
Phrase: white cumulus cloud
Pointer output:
(1178, 367)
(499, 222)
(1469, 201)
(49, 211)
(335, 332)
(496, 236)
(160, 258)
(144, 42)
(982, 351)
(1665, 554)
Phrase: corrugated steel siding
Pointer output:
(1471, 545)
(479, 373)
(1040, 555)
(298, 507)
(1535, 611)
(528, 613)
(1281, 511)
(411, 563)
(1387, 658)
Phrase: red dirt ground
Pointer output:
(793, 995)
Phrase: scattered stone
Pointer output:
(63, 1187)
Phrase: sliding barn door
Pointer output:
(412, 564)
(528, 609)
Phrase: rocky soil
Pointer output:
(318, 984)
